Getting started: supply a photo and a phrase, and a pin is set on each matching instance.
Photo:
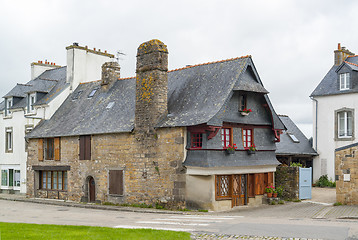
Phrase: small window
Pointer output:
(293, 138)
(17, 178)
(28, 128)
(116, 185)
(225, 137)
(4, 177)
(242, 102)
(31, 99)
(92, 93)
(344, 81)
(85, 147)
(110, 105)
(223, 186)
(8, 105)
(247, 138)
(345, 124)
(49, 148)
(196, 140)
(8, 140)
(76, 95)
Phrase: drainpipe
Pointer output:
(316, 114)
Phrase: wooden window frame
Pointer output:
(85, 147)
(49, 148)
(196, 140)
(218, 184)
(9, 140)
(246, 144)
(224, 142)
(63, 175)
(242, 102)
(116, 182)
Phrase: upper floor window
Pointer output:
(85, 147)
(242, 102)
(8, 105)
(196, 140)
(247, 137)
(31, 99)
(345, 124)
(344, 81)
(49, 149)
(226, 137)
(8, 140)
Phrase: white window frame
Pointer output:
(8, 105)
(9, 139)
(346, 122)
(344, 81)
(31, 99)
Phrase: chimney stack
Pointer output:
(151, 85)
(341, 54)
(110, 74)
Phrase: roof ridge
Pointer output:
(351, 63)
(201, 64)
(125, 78)
(91, 81)
(352, 56)
(24, 84)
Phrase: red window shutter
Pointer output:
(116, 182)
(82, 147)
(40, 149)
(57, 148)
(88, 147)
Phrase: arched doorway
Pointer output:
(91, 189)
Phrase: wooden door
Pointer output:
(238, 190)
(92, 190)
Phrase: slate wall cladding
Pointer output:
(147, 178)
(346, 163)
(288, 178)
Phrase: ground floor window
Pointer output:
(10, 178)
(232, 187)
(115, 185)
(56, 180)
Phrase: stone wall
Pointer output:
(288, 178)
(346, 165)
(148, 178)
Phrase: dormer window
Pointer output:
(242, 102)
(31, 99)
(8, 105)
(344, 81)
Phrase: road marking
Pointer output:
(192, 220)
(322, 213)
(156, 228)
(174, 223)
(207, 217)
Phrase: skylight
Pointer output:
(110, 105)
(92, 93)
(76, 95)
(293, 137)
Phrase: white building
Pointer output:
(26, 105)
(335, 101)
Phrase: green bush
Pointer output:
(294, 164)
(279, 191)
(324, 182)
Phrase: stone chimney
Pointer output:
(341, 54)
(110, 74)
(37, 68)
(151, 85)
(84, 64)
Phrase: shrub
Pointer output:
(324, 182)
(294, 164)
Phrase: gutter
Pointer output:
(316, 114)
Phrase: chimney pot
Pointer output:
(339, 46)
(75, 44)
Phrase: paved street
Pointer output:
(299, 220)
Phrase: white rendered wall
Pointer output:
(37, 69)
(326, 143)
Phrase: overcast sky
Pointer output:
(291, 42)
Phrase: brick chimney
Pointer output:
(110, 74)
(151, 85)
(341, 54)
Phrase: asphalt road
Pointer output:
(244, 222)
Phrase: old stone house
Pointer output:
(161, 137)
(27, 104)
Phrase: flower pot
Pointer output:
(274, 195)
(250, 152)
(229, 151)
(244, 113)
(269, 194)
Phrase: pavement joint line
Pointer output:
(156, 228)
(323, 213)
(173, 223)
(193, 220)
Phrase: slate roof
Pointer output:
(287, 146)
(329, 84)
(51, 82)
(195, 95)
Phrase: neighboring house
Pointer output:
(335, 101)
(294, 147)
(28, 104)
(160, 138)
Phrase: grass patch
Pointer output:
(296, 200)
(21, 231)
(203, 210)
(337, 204)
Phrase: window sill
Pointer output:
(30, 114)
(7, 117)
(344, 139)
(115, 195)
